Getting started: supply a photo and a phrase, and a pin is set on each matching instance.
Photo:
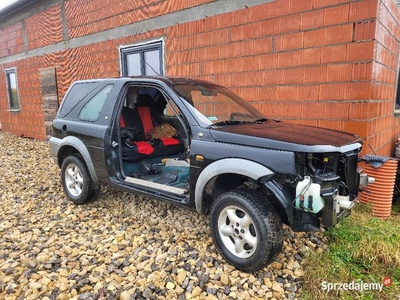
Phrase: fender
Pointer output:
(228, 165)
(56, 144)
(283, 204)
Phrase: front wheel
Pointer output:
(246, 229)
(76, 180)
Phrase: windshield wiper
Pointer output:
(262, 120)
(228, 122)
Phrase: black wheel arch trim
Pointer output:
(71, 141)
(243, 167)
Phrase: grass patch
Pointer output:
(361, 249)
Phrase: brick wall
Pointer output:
(86, 17)
(11, 40)
(329, 63)
(384, 126)
(308, 62)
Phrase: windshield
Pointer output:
(212, 104)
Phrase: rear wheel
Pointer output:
(76, 180)
(246, 229)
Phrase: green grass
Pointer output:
(361, 249)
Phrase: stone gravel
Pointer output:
(120, 246)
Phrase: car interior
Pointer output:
(154, 142)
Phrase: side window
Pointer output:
(142, 60)
(171, 109)
(91, 111)
(12, 89)
(76, 93)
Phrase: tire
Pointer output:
(76, 180)
(246, 229)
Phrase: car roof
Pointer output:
(170, 80)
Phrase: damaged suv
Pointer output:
(197, 144)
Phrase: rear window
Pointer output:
(91, 111)
(77, 92)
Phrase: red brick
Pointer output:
(267, 93)
(279, 8)
(308, 122)
(358, 90)
(360, 51)
(289, 23)
(332, 91)
(269, 27)
(292, 110)
(259, 12)
(243, 32)
(251, 63)
(223, 79)
(313, 110)
(332, 124)
(336, 15)
(365, 30)
(314, 74)
(214, 67)
(308, 92)
(286, 92)
(312, 19)
(314, 38)
(239, 79)
(249, 93)
(366, 9)
(273, 77)
(255, 78)
(339, 34)
(359, 110)
(310, 56)
(271, 110)
(340, 72)
(298, 6)
(333, 54)
(259, 46)
(293, 76)
(323, 3)
(359, 128)
(362, 71)
(288, 59)
(337, 110)
(268, 61)
(289, 41)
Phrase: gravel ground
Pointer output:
(120, 246)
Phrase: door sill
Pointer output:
(156, 185)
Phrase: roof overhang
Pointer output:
(15, 7)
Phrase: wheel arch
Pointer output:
(234, 168)
(71, 145)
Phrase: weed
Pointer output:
(362, 249)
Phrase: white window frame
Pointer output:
(7, 72)
(139, 47)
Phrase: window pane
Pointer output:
(13, 92)
(133, 64)
(91, 111)
(152, 62)
(75, 95)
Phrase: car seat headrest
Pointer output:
(143, 100)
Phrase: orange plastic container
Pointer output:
(381, 192)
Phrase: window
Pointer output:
(142, 60)
(76, 93)
(12, 89)
(91, 111)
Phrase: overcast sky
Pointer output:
(4, 3)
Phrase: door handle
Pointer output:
(114, 144)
